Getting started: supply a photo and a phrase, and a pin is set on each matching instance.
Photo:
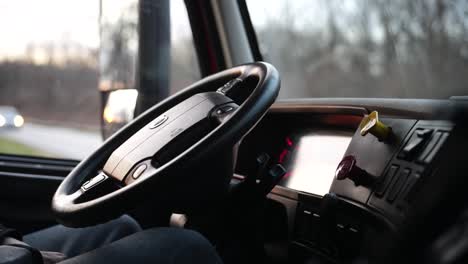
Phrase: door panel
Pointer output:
(26, 189)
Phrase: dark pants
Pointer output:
(75, 241)
(122, 241)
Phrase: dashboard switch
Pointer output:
(407, 191)
(391, 172)
(398, 184)
(372, 124)
(433, 147)
(348, 169)
(415, 144)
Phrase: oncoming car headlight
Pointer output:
(18, 121)
(2, 120)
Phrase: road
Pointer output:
(60, 142)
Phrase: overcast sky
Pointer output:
(53, 21)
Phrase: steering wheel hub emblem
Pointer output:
(159, 121)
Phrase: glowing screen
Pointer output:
(311, 160)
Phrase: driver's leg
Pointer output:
(161, 245)
(75, 241)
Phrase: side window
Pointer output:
(57, 56)
(49, 102)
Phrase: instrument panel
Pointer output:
(309, 147)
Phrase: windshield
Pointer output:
(364, 48)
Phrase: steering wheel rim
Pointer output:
(70, 212)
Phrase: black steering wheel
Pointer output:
(156, 156)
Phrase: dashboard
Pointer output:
(397, 178)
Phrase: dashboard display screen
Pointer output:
(311, 159)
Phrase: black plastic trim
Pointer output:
(401, 108)
(250, 31)
(38, 160)
(205, 38)
(13, 164)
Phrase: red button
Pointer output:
(345, 168)
(348, 169)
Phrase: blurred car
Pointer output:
(10, 117)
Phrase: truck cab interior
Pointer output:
(373, 176)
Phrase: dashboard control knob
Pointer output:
(372, 124)
(348, 169)
(273, 176)
(261, 165)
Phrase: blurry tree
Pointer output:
(369, 48)
(119, 48)
(61, 88)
